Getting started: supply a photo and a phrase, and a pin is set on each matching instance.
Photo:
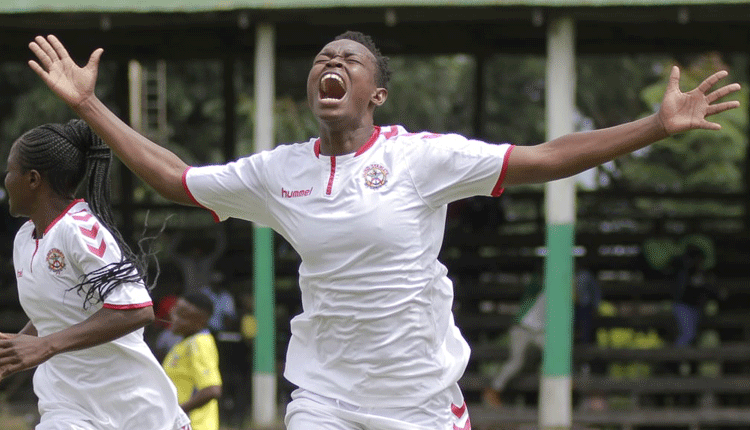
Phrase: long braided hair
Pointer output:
(65, 155)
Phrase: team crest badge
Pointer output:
(375, 176)
(55, 260)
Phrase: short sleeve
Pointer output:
(205, 362)
(450, 167)
(92, 246)
(232, 190)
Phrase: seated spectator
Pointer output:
(692, 288)
(528, 330)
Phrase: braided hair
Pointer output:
(383, 75)
(65, 155)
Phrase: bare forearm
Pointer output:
(26, 349)
(202, 397)
(576, 152)
(589, 149)
(103, 326)
(154, 164)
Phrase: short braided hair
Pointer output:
(200, 301)
(383, 75)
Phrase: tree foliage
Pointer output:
(437, 94)
(700, 160)
(431, 93)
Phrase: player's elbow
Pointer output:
(535, 164)
(144, 316)
(214, 391)
(166, 180)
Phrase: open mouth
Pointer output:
(332, 87)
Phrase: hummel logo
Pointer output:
(298, 193)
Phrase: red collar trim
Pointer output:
(59, 217)
(371, 141)
(317, 148)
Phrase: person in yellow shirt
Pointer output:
(193, 363)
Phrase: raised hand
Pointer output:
(687, 111)
(71, 83)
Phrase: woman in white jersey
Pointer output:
(375, 347)
(83, 290)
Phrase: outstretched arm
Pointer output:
(155, 165)
(23, 351)
(576, 152)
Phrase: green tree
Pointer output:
(699, 160)
(430, 93)
(514, 99)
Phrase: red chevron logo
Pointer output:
(98, 251)
(84, 216)
(458, 411)
(90, 233)
(467, 426)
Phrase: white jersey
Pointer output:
(376, 327)
(535, 316)
(116, 385)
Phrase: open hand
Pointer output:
(687, 111)
(71, 83)
(20, 352)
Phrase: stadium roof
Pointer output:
(26, 6)
(214, 28)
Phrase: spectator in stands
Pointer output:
(365, 207)
(83, 290)
(193, 363)
(164, 339)
(224, 325)
(528, 330)
(588, 295)
(224, 316)
(198, 262)
(692, 288)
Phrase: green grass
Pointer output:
(12, 421)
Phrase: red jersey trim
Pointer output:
(128, 306)
(332, 176)
(391, 133)
(59, 217)
(370, 142)
(361, 150)
(499, 185)
(192, 197)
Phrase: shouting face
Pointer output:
(341, 85)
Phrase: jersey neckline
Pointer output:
(371, 141)
(59, 217)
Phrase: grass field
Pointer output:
(17, 418)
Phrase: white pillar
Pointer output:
(555, 391)
(265, 406)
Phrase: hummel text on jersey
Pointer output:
(297, 193)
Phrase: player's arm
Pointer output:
(28, 329)
(576, 152)
(25, 351)
(155, 165)
(201, 397)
